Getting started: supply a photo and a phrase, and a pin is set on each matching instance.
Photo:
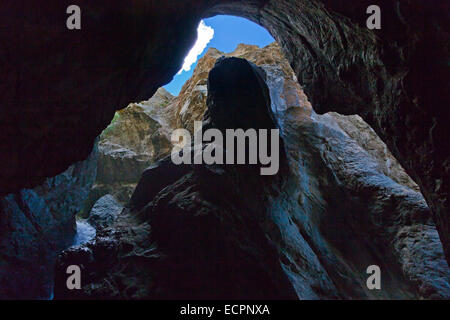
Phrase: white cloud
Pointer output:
(204, 35)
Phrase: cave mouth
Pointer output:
(138, 133)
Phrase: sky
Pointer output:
(223, 33)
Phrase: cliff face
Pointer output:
(35, 225)
(137, 136)
(339, 203)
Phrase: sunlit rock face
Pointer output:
(36, 224)
(137, 136)
(339, 203)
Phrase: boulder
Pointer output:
(36, 224)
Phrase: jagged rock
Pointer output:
(350, 211)
(366, 138)
(138, 127)
(104, 212)
(35, 225)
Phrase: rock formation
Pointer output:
(340, 203)
(137, 137)
(35, 225)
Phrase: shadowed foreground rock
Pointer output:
(224, 231)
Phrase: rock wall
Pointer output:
(35, 225)
(350, 211)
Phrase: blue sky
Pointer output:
(223, 33)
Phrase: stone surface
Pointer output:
(200, 245)
(363, 134)
(104, 212)
(137, 137)
(35, 225)
(310, 232)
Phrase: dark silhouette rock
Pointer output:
(206, 238)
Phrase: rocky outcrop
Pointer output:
(212, 248)
(137, 137)
(338, 204)
(351, 212)
(35, 225)
(357, 129)
(104, 212)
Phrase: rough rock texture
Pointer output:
(352, 208)
(137, 136)
(201, 245)
(308, 232)
(395, 78)
(104, 212)
(190, 104)
(35, 225)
